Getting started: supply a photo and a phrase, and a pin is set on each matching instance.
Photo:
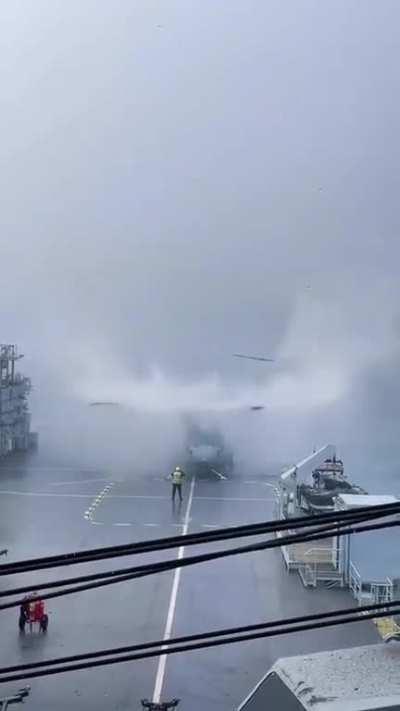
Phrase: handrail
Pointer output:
(319, 550)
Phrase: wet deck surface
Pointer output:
(42, 511)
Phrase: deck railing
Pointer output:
(319, 566)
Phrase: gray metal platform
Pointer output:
(359, 679)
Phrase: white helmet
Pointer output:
(177, 469)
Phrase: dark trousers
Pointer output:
(177, 488)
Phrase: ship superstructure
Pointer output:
(368, 564)
(14, 410)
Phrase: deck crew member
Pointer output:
(177, 477)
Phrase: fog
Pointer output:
(187, 180)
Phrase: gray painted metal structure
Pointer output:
(358, 679)
(367, 564)
(370, 563)
(14, 411)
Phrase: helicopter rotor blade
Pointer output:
(249, 357)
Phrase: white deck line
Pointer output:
(231, 498)
(219, 475)
(76, 481)
(46, 494)
(172, 603)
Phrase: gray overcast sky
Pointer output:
(185, 179)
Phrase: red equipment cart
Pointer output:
(33, 613)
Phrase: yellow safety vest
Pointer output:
(177, 477)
